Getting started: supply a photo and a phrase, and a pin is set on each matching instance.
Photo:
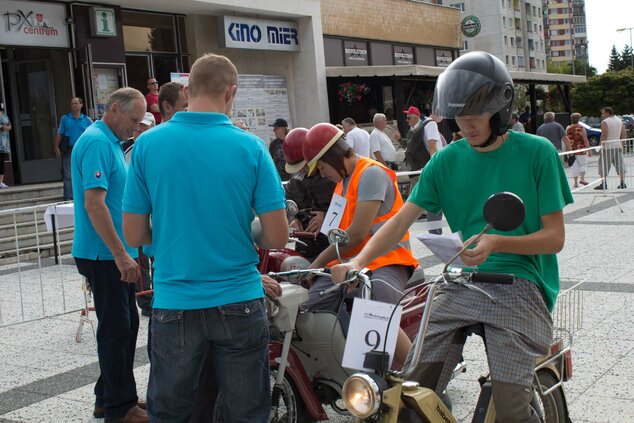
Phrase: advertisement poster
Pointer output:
(105, 82)
(259, 101)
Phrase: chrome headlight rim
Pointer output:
(372, 388)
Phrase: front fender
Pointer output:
(295, 370)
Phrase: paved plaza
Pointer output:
(46, 376)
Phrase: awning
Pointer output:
(434, 71)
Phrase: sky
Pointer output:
(603, 18)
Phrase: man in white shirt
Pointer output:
(357, 138)
(380, 144)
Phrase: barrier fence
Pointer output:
(38, 277)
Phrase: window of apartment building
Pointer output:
(535, 27)
(502, 4)
(540, 28)
(532, 62)
(465, 45)
(508, 4)
(461, 6)
(520, 61)
(507, 59)
(529, 26)
(506, 40)
(531, 45)
(503, 21)
(534, 11)
(512, 41)
(513, 60)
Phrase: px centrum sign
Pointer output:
(470, 26)
(33, 24)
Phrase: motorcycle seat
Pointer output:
(417, 278)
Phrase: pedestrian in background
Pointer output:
(171, 100)
(357, 138)
(152, 99)
(103, 257)
(612, 136)
(211, 296)
(380, 144)
(280, 129)
(553, 131)
(578, 140)
(516, 125)
(5, 144)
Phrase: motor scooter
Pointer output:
(388, 396)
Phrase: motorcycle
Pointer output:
(389, 396)
(306, 348)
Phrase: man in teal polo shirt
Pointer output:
(207, 290)
(101, 254)
(72, 125)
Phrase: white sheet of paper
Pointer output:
(334, 213)
(443, 246)
(368, 325)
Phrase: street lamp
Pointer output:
(585, 59)
(631, 52)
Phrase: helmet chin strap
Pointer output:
(492, 138)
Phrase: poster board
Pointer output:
(105, 81)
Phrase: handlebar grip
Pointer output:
(326, 270)
(304, 235)
(500, 278)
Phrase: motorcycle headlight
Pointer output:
(362, 395)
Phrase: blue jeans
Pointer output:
(236, 336)
(66, 173)
(117, 328)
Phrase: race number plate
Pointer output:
(367, 332)
(334, 213)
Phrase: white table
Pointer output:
(58, 216)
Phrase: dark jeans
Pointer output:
(117, 328)
(236, 335)
(66, 175)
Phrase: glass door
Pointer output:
(34, 118)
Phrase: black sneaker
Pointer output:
(601, 187)
(622, 185)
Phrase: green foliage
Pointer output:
(607, 89)
(615, 62)
(626, 56)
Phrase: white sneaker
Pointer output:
(3, 185)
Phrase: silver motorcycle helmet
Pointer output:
(474, 84)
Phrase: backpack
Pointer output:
(416, 152)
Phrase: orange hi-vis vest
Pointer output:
(401, 253)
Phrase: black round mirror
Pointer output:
(504, 211)
(291, 209)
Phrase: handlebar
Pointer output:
(499, 278)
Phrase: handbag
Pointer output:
(571, 159)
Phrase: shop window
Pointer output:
(148, 32)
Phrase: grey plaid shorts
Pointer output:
(517, 326)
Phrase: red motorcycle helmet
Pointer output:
(319, 139)
(292, 149)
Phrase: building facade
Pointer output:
(53, 51)
(565, 30)
(511, 30)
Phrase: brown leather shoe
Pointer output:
(99, 412)
(133, 415)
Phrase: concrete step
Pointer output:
(9, 196)
(23, 228)
(31, 254)
(29, 241)
(13, 205)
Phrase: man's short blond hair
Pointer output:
(378, 117)
(211, 75)
(575, 117)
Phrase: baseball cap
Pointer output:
(148, 119)
(280, 123)
(412, 111)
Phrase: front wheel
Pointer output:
(594, 140)
(286, 404)
(550, 408)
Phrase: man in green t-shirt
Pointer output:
(475, 94)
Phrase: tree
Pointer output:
(605, 90)
(616, 61)
(626, 56)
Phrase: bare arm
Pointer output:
(274, 229)
(604, 132)
(390, 234)
(136, 229)
(154, 108)
(57, 140)
(432, 146)
(548, 240)
(95, 205)
(364, 215)
(379, 157)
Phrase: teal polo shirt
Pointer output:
(202, 180)
(73, 127)
(97, 161)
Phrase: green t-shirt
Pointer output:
(458, 181)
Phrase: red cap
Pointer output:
(412, 111)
